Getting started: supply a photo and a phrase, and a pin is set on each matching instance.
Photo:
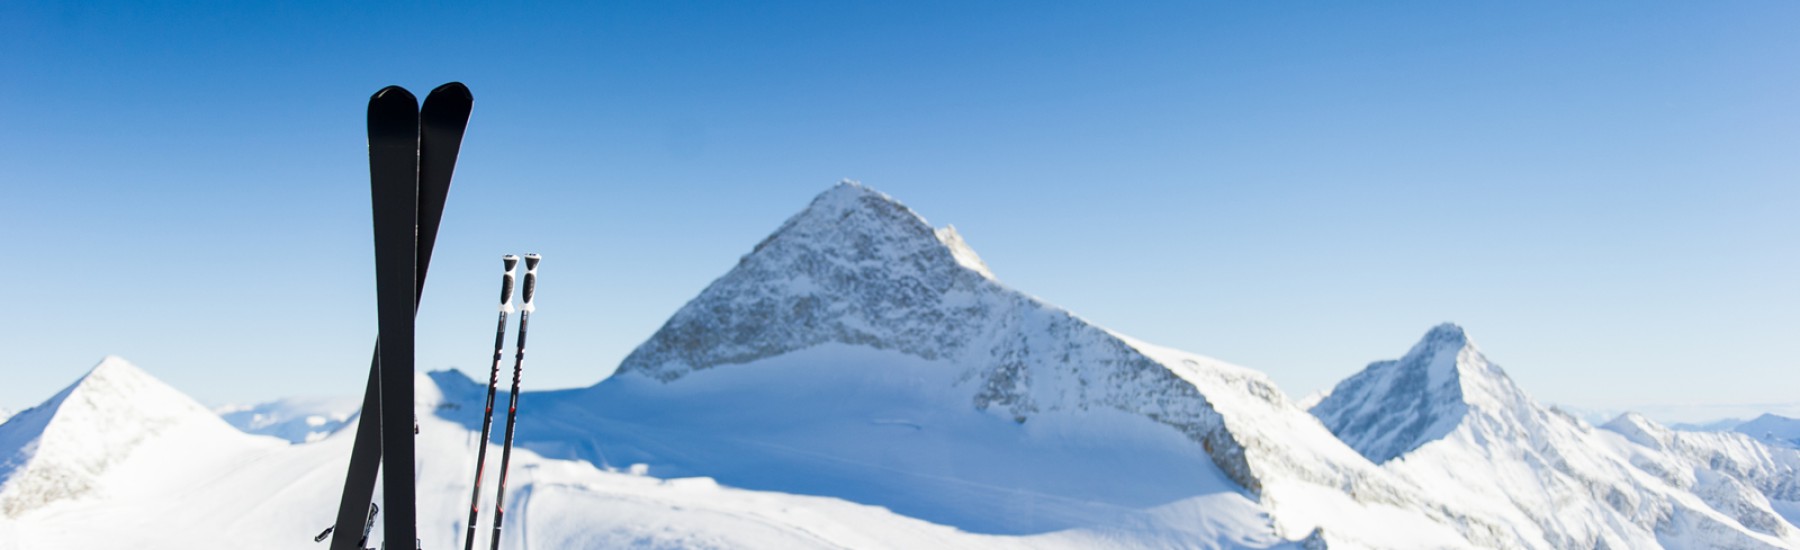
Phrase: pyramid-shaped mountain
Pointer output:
(61, 448)
(858, 352)
(1447, 418)
(1393, 407)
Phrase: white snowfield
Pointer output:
(861, 379)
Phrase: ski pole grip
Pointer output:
(506, 284)
(531, 263)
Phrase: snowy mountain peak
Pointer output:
(855, 267)
(1444, 408)
(117, 382)
(1392, 407)
(858, 220)
(857, 313)
(1445, 334)
(1640, 430)
(59, 449)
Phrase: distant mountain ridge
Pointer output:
(1452, 420)
(295, 419)
(1772, 429)
(857, 268)
(861, 379)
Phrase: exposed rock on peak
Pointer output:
(855, 267)
(1392, 407)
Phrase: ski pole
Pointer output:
(487, 416)
(512, 410)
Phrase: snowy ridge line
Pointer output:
(861, 380)
(858, 268)
(60, 450)
(1556, 480)
(790, 285)
(296, 419)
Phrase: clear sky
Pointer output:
(1603, 193)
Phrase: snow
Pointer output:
(60, 449)
(1394, 406)
(876, 427)
(861, 380)
(255, 492)
(959, 249)
(1772, 429)
(857, 269)
(1550, 479)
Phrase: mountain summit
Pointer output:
(61, 448)
(855, 267)
(1446, 417)
(859, 352)
(1393, 407)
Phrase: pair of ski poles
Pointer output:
(512, 409)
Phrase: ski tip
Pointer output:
(393, 114)
(511, 261)
(453, 89)
(393, 93)
(531, 261)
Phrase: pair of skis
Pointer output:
(512, 409)
(412, 153)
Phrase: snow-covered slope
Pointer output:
(861, 380)
(1739, 475)
(297, 419)
(60, 449)
(213, 487)
(1446, 418)
(858, 352)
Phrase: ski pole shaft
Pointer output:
(512, 409)
(487, 415)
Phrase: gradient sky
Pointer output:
(1603, 193)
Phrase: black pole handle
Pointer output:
(506, 284)
(531, 263)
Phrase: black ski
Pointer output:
(487, 415)
(437, 140)
(394, 192)
(512, 409)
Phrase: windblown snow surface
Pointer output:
(861, 379)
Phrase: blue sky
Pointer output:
(1604, 194)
